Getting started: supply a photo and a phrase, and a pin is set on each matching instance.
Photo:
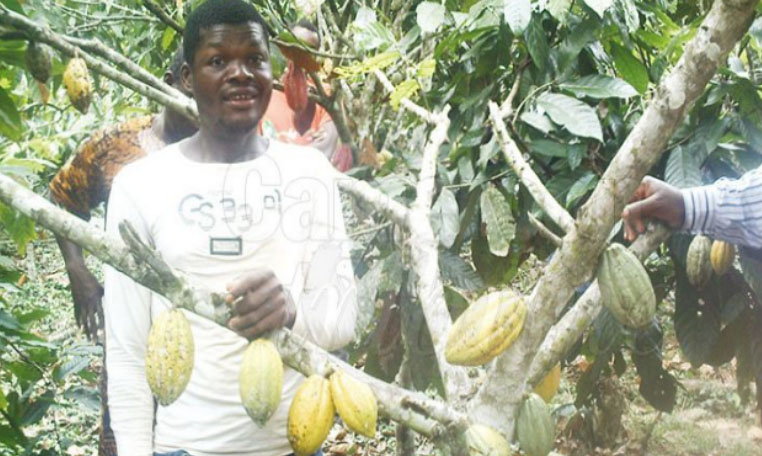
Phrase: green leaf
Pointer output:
(368, 33)
(8, 321)
(37, 409)
(426, 68)
(559, 9)
(458, 272)
(406, 89)
(630, 13)
(20, 227)
(537, 120)
(71, 367)
(87, 398)
(682, 169)
(630, 68)
(430, 16)
(600, 87)
(697, 319)
(537, 44)
(3, 400)
(577, 117)
(456, 302)
(445, 218)
(581, 188)
(167, 38)
(497, 216)
(10, 120)
(492, 269)
(599, 6)
(657, 385)
(13, 5)
(517, 14)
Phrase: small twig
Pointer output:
(312, 51)
(420, 111)
(162, 15)
(544, 231)
(380, 227)
(506, 109)
(526, 175)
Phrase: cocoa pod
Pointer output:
(548, 386)
(76, 79)
(534, 428)
(260, 380)
(169, 356)
(310, 416)
(38, 61)
(295, 88)
(485, 441)
(698, 266)
(626, 289)
(722, 256)
(485, 329)
(355, 403)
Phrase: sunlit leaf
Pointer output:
(430, 16)
(497, 216)
(517, 14)
(577, 117)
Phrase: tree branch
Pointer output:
(725, 24)
(361, 190)
(564, 334)
(429, 417)
(544, 231)
(159, 12)
(526, 175)
(183, 105)
(405, 102)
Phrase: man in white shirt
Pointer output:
(229, 210)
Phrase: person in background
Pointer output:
(311, 126)
(727, 210)
(238, 213)
(85, 182)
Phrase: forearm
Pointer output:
(71, 253)
(729, 210)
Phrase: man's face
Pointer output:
(230, 77)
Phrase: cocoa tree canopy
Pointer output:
(484, 133)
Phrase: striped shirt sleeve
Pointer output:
(729, 210)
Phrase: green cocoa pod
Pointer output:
(535, 428)
(38, 61)
(698, 265)
(626, 289)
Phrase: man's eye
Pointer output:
(216, 61)
(256, 59)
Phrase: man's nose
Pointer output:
(240, 71)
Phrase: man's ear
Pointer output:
(187, 78)
(169, 79)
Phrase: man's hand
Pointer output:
(87, 294)
(260, 304)
(653, 199)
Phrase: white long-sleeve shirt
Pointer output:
(212, 223)
(729, 210)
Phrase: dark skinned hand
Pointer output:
(87, 294)
(260, 303)
(654, 199)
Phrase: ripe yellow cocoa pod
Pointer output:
(697, 263)
(548, 387)
(722, 256)
(485, 441)
(260, 380)
(169, 357)
(310, 416)
(355, 403)
(79, 88)
(486, 328)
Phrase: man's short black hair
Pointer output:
(213, 12)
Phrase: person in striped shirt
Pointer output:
(728, 210)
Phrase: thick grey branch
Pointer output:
(361, 190)
(526, 175)
(564, 334)
(573, 263)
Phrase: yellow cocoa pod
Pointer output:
(310, 416)
(355, 403)
(260, 380)
(485, 441)
(548, 387)
(76, 79)
(722, 256)
(169, 358)
(486, 328)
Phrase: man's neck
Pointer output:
(208, 148)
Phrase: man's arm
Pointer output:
(85, 289)
(729, 210)
(127, 309)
